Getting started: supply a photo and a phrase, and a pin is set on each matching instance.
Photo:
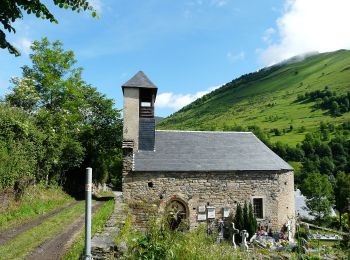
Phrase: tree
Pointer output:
(309, 165)
(24, 95)
(245, 219)
(326, 166)
(12, 10)
(308, 145)
(20, 146)
(239, 221)
(245, 216)
(337, 148)
(342, 193)
(280, 149)
(323, 150)
(334, 109)
(294, 153)
(53, 93)
(80, 125)
(319, 192)
(252, 223)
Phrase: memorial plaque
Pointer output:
(211, 212)
(201, 209)
(226, 212)
(202, 217)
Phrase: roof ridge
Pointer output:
(214, 132)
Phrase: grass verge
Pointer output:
(36, 201)
(98, 221)
(20, 246)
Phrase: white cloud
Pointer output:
(23, 44)
(177, 101)
(268, 34)
(309, 26)
(235, 57)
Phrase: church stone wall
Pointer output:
(131, 115)
(150, 192)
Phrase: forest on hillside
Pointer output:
(323, 175)
(53, 125)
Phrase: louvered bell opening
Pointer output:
(146, 103)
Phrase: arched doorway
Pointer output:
(176, 213)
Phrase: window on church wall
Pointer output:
(258, 207)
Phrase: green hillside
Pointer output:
(269, 99)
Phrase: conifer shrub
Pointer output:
(245, 220)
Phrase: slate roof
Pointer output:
(139, 80)
(208, 151)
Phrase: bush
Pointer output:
(20, 145)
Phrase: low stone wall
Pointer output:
(103, 243)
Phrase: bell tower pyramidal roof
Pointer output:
(139, 80)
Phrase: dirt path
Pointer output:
(9, 234)
(56, 247)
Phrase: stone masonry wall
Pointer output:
(286, 203)
(217, 189)
(131, 115)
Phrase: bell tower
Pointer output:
(139, 122)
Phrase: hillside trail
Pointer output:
(11, 233)
(56, 247)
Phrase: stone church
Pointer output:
(202, 174)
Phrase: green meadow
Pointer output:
(268, 99)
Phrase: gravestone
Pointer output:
(289, 230)
(221, 231)
(268, 230)
(244, 234)
(234, 233)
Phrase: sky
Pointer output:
(186, 47)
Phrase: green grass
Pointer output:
(269, 99)
(23, 244)
(98, 221)
(36, 201)
(160, 243)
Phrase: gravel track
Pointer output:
(11, 233)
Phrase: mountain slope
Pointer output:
(268, 99)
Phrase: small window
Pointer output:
(146, 104)
(258, 207)
(150, 184)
